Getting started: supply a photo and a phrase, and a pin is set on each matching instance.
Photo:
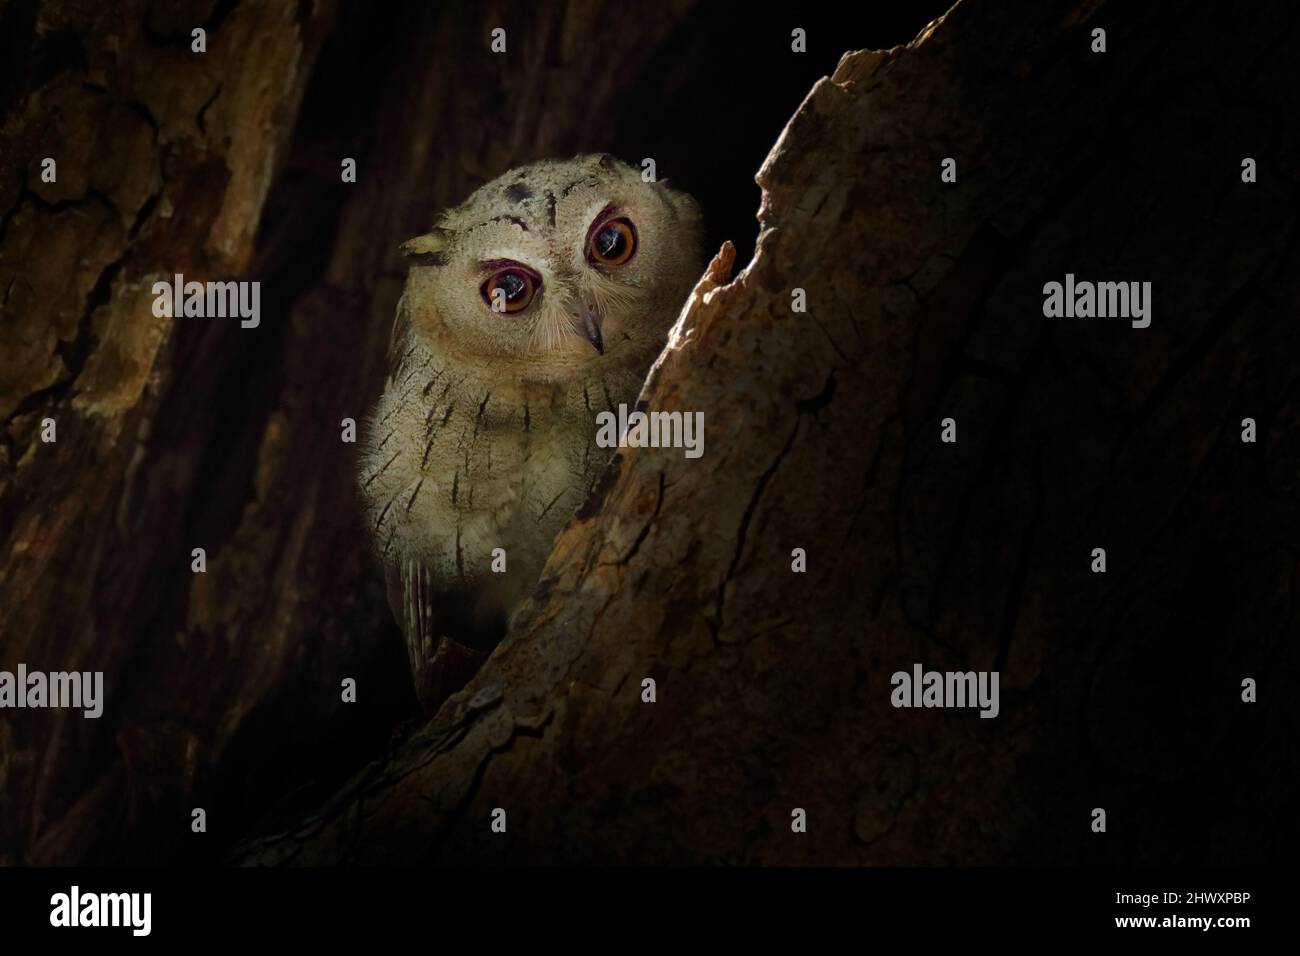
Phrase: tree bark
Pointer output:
(152, 179)
(925, 302)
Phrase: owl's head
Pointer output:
(556, 271)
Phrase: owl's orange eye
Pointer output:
(612, 242)
(510, 290)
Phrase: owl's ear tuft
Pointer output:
(429, 249)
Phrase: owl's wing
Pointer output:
(399, 342)
(429, 610)
(440, 665)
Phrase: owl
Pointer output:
(538, 303)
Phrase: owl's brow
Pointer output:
(490, 265)
(513, 220)
(605, 214)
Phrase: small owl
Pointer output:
(538, 303)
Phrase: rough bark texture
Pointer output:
(1119, 690)
(153, 178)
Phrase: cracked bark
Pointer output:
(925, 302)
(152, 179)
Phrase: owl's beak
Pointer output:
(587, 324)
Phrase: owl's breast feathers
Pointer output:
(454, 468)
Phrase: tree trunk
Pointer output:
(925, 302)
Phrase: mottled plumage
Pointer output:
(484, 436)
